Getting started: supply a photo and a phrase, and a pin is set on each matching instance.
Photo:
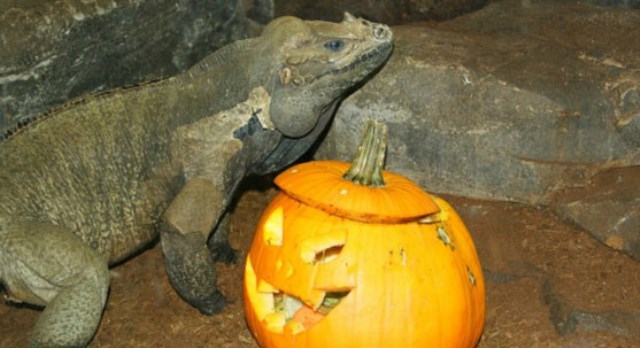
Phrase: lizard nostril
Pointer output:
(380, 32)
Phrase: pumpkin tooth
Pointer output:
(315, 299)
(265, 287)
(275, 321)
(294, 327)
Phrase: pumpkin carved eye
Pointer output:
(327, 254)
(323, 248)
(273, 228)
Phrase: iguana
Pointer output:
(90, 184)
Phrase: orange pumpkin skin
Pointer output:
(411, 282)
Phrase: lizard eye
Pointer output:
(334, 45)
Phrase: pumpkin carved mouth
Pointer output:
(281, 311)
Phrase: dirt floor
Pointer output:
(539, 270)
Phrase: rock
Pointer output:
(609, 208)
(384, 11)
(550, 284)
(260, 11)
(616, 3)
(53, 51)
(512, 102)
(567, 319)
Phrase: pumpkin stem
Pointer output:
(366, 167)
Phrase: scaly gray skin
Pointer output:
(90, 184)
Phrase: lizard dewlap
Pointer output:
(95, 181)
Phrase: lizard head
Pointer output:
(317, 63)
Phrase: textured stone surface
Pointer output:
(616, 3)
(566, 319)
(512, 102)
(53, 51)
(385, 11)
(609, 208)
(547, 278)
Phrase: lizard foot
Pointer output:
(223, 252)
(211, 305)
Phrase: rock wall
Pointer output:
(616, 3)
(384, 11)
(529, 101)
(512, 102)
(53, 51)
(608, 207)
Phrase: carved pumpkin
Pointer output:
(378, 263)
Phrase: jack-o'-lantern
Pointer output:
(363, 259)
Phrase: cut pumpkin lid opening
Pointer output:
(361, 190)
(320, 184)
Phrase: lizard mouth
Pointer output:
(379, 52)
(280, 311)
(375, 55)
(382, 44)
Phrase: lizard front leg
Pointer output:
(219, 245)
(186, 225)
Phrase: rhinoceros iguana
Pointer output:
(93, 182)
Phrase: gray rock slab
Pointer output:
(549, 284)
(52, 51)
(609, 208)
(512, 102)
(567, 319)
(616, 3)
